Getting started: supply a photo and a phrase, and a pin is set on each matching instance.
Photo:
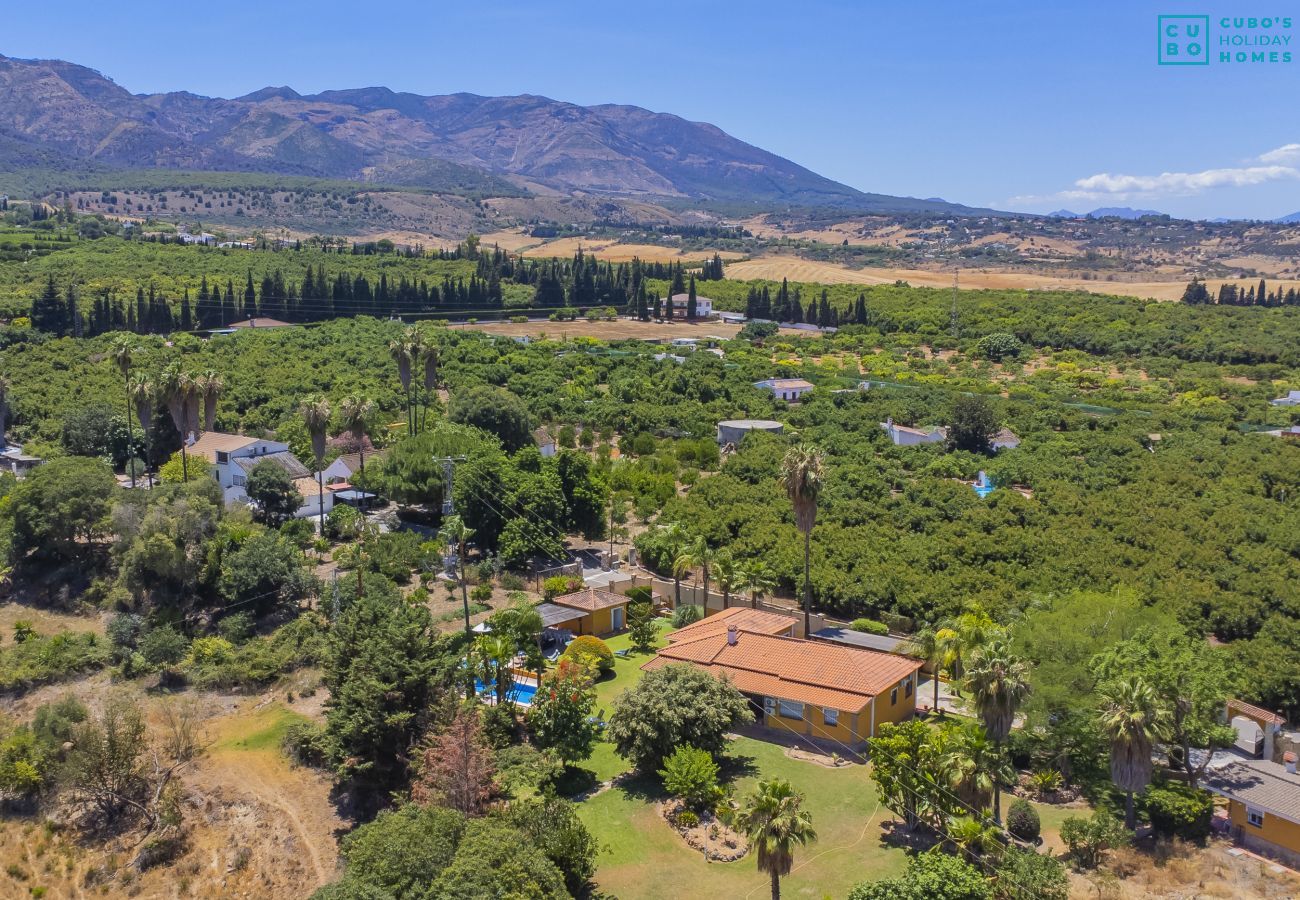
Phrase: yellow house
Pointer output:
(1263, 804)
(833, 694)
(589, 611)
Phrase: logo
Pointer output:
(1184, 40)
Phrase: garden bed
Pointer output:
(715, 840)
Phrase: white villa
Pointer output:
(790, 390)
(230, 457)
(903, 436)
(703, 305)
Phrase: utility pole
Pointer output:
(448, 503)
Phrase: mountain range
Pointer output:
(62, 115)
(1106, 212)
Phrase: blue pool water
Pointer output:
(519, 692)
(983, 489)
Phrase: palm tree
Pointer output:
(758, 581)
(802, 471)
(140, 390)
(999, 683)
(456, 533)
(209, 386)
(122, 352)
(774, 823)
(316, 415)
(178, 391)
(356, 412)
(729, 574)
(696, 555)
(973, 765)
(932, 645)
(1132, 719)
(401, 352)
(969, 631)
(675, 538)
(429, 358)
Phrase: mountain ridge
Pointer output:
(380, 135)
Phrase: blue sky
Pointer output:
(1022, 105)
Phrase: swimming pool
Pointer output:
(983, 489)
(519, 692)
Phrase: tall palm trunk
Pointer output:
(130, 435)
(320, 496)
(997, 787)
(1130, 813)
(464, 590)
(776, 886)
(807, 585)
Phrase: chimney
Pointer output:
(732, 636)
(1289, 759)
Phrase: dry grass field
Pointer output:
(774, 268)
(613, 251)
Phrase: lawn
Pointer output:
(642, 857)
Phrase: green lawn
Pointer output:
(643, 857)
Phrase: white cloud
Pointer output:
(1287, 153)
(1184, 182)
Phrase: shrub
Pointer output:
(42, 659)
(1022, 821)
(512, 582)
(1088, 839)
(641, 594)
(1046, 781)
(686, 615)
(307, 744)
(687, 818)
(997, 346)
(1178, 810)
(481, 593)
(558, 585)
(163, 646)
(869, 626)
(591, 652)
(342, 522)
(236, 628)
(692, 775)
(1023, 874)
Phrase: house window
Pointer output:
(240, 481)
(1255, 817)
(907, 687)
(790, 709)
(893, 697)
(831, 717)
(223, 456)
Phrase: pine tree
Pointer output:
(48, 310)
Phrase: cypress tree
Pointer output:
(692, 307)
(187, 320)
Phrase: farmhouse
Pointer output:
(903, 436)
(230, 457)
(545, 441)
(790, 390)
(14, 461)
(820, 691)
(1005, 439)
(1263, 803)
(703, 305)
(1292, 398)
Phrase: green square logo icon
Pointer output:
(1183, 40)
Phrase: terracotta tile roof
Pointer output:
(744, 618)
(260, 322)
(307, 487)
(1257, 783)
(1263, 716)
(590, 600)
(823, 674)
(211, 441)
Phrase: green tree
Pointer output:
(802, 473)
(973, 425)
(999, 683)
(1026, 875)
(775, 823)
(998, 346)
(496, 411)
(383, 668)
(1132, 720)
(60, 505)
(559, 718)
(554, 827)
(457, 534)
(264, 570)
(641, 623)
(933, 875)
(495, 859)
(402, 851)
(272, 492)
(672, 706)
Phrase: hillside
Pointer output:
(62, 116)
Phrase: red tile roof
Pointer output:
(743, 618)
(590, 599)
(823, 674)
